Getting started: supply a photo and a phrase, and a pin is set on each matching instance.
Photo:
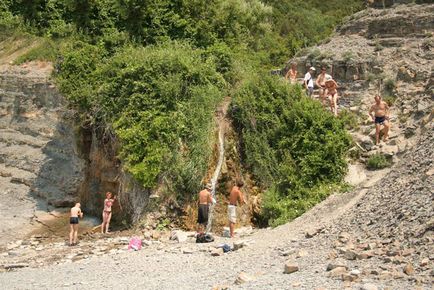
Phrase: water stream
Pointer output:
(216, 175)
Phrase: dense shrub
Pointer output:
(289, 141)
(159, 100)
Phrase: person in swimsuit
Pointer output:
(379, 113)
(291, 75)
(235, 196)
(76, 213)
(320, 82)
(205, 200)
(107, 212)
(332, 93)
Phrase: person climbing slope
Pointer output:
(291, 75)
(332, 93)
(308, 81)
(320, 82)
(379, 113)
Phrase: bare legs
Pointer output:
(386, 126)
(73, 234)
(231, 228)
(334, 104)
(106, 217)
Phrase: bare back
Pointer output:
(204, 197)
(75, 211)
(235, 196)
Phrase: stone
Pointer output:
(311, 233)
(179, 236)
(337, 272)
(217, 252)
(348, 277)
(156, 235)
(244, 278)
(238, 245)
(424, 262)
(408, 252)
(290, 267)
(296, 284)
(408, 269)
(335, 264)
(350, 255)
(344, 237)
(368, 286)
(187, 251)
(15, 266)
(356, 174)
(302, 253)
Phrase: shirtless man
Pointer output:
(205, 200)
(379, 113)
(235, 196)
(292, 74)
(332, 93)
(73, 223)
(320, 82)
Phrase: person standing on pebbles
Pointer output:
(205, 200)
(107, 212)
(235, 197)
(379, 113)
(76, 213)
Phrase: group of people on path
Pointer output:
(76, 214)
(379, 111)
(236, 197)
(327, 86)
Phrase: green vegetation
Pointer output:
(390, 100)
(152, 73)
(377, 161)
(349, 119)
(291, 144)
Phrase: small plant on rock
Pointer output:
(390, 100)
(378, 161)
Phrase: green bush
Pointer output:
(349, 119)
(390, 100)
(289, 141)
(389, 85)
(45, 50)
(378, 161)
(159, 101)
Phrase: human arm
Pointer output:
(387, 109)
(371, 110)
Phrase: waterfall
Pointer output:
(216, 176)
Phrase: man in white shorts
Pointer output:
(235, 197)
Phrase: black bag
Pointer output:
(204, 238)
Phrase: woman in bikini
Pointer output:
(107, 212)
(332, 93)
(291, 75)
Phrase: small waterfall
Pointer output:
(216, 175)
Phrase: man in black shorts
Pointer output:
(73, 224)
(379, 113)
(204, 201)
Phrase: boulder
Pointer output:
(244, 278)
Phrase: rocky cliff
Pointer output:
(39, 162)
(386, 51)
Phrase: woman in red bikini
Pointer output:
(107, 212)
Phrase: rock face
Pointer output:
(39, 160)
(386, 51)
